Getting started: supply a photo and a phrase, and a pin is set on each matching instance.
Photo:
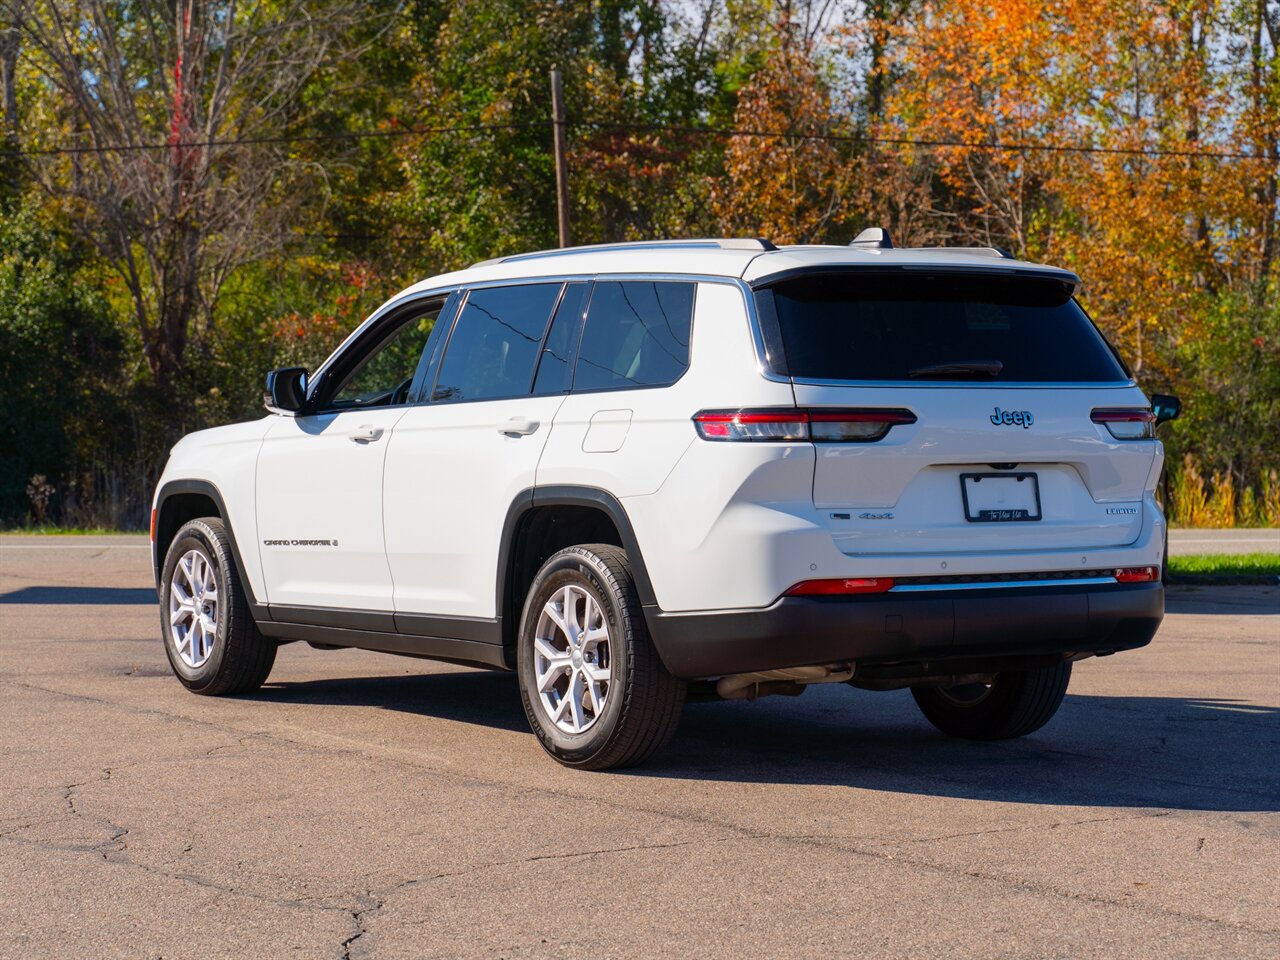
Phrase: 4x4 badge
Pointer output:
(1021, 418)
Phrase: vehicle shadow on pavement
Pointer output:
(85, 596)
(489, 699)
(1171, 752)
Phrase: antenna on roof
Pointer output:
(873, 237)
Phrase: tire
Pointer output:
(234, 657)
(639, 705)
(1013, 705)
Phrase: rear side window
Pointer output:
(636, 335)
(908, 326)
(495, 343)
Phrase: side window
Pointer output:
(554, 371)
(636, 335)
(495, 343)
(385, 374)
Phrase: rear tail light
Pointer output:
(791, 424)
(840, 587)
(855, 426)
(1137, 574)
(1127, 423)
(767, 425)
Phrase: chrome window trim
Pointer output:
(1003, 585)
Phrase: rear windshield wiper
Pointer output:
(964, 369)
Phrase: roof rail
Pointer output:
(733, 243)
(1000, 252)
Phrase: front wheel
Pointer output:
(594, 689)
(213, 643)
(1013, 704)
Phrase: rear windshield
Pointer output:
(930, 327)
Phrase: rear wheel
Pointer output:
(594, 689)
(1014, 704)
(212, 641)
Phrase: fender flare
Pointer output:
(577, 496)
(208, 489)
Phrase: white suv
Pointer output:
(629, 470)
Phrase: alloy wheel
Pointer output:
(571, 661)
(193, 608)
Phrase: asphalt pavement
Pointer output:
(371, 806)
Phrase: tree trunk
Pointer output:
(10, 165)
(1267, 145)
(10, 46)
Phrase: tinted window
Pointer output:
(554, 372)
(384, 376)
(636, 335)
(495, 343)
(898, 326)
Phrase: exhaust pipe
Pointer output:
(789, 682)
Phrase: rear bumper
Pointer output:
(951, 626)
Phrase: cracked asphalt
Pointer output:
(371, 806)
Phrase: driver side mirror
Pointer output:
(286, 390)
(1166, 407)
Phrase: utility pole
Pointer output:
(562, 166)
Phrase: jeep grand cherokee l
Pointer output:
(623, 470)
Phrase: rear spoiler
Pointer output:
(1071, 282)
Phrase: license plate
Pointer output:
(1000, 497)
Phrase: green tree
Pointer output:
(61, 358)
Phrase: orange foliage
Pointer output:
(306, 339)
(791, 189)
(1150, 234)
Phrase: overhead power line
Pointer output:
(257, 141)
(729, 132)
(686, 130)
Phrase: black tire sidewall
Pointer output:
(197, 535)
(1012, 708)
(577, 569)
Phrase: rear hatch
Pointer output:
(1009, 383)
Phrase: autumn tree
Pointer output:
(173, 115)
(788, 174)
(1069, 130)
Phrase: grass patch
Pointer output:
(1226, 565)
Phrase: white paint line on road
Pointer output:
(74, 546)
(1224, 540)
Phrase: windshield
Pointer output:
(932, 327)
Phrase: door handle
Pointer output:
(520, 426)
(365, 433)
